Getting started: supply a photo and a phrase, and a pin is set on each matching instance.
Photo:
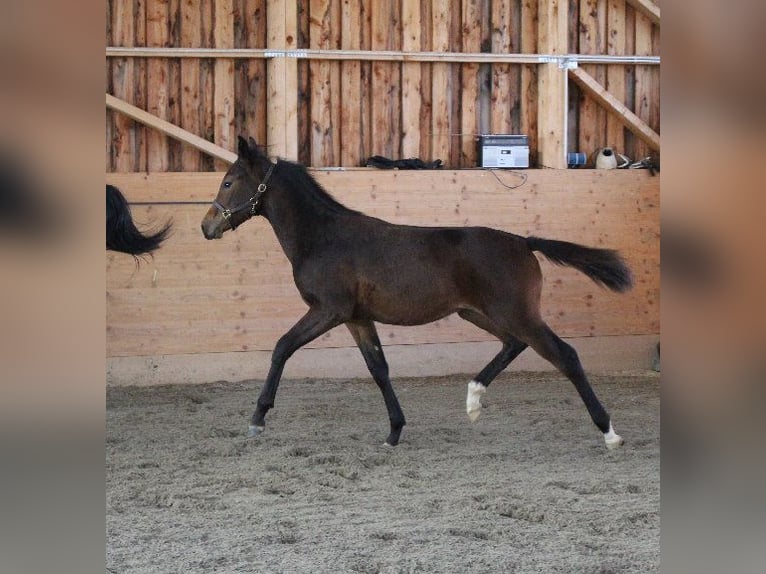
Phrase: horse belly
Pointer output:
(414, 303)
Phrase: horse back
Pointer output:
(413, 275)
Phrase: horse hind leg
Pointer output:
(512, 347)
(563, 356)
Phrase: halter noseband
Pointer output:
(252, 203)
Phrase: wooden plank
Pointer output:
(256, 121)
(528, 80)
(552, 86)
(453, 57)
(469, 84)
(386, 81)
(169, 129)
(631, 120)
(191, 102)
(615, 79)
(426, 82)
(366, 95)
(223, 95)
(324, 85)
(250, 75)
(501, 79)
(157, 34)
(122, 150)
(441, 83)
(282, 79)
(237, 294)
(351, 86)
(648, 8)
(593, 40)
(175, 148)
(411, 81)
(644, 88)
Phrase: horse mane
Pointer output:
(297, 176)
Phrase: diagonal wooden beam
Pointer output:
(648, 8)
(601, 95)
(169, 129)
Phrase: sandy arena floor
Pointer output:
(530, 487)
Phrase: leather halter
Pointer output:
(252, 203)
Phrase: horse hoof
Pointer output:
(614, 443)
(254, 431)
(612, 439)
(473, 400)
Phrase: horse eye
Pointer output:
(227, 184)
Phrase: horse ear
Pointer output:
(243, 150)
(252, 143)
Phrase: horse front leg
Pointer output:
(366, 337)
(312, 325)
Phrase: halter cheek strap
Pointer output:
(252, 203)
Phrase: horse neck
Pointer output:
(297, 221)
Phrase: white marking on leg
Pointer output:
(612, 439)
(473, 400)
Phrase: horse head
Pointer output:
(239, 195)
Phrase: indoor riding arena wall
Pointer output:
(330, 83)
(203, 310)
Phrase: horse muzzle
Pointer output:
(213, 224)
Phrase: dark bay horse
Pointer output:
(121, 232)
(354, 270)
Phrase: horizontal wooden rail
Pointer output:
(169, 129)
(377, 55)
(601, 95)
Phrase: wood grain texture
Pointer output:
(237, 294)
(327, 112)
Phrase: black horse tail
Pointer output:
(603, 266)
(122, 234)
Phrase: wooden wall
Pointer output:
(237, 294)
(351, 109)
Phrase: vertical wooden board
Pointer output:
(411, 80)
(191, 37)
(250, 74)
(643, 92)
(553, 38)
(157, 83)
(304, 83)
(426, 81)
(441, 82)
(528, 85)
(223, 96)
(592, 117)
(121, 143)
(615, 81)
(282, 78)
(140, 96)
(469, 82)
(630, 76)
(324, 34)
(365, 71)
(455, 45)
(386, 80)
(501, 122)
(109, 90)
(350, 133)
(514, 73)
(175, 148)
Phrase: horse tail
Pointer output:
(604, 266)
(122, 234)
